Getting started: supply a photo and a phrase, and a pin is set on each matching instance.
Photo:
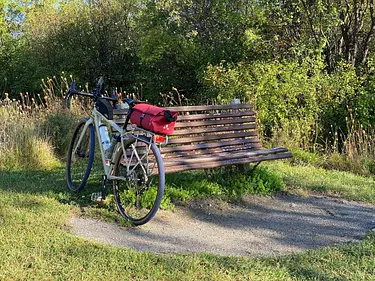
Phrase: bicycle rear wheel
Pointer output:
(139, 192)
(80, 156)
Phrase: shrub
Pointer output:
(236, 183)
(59, 127)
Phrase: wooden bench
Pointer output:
(211, 136)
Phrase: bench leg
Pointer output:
(254, 167)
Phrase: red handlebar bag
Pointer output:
(154, 118)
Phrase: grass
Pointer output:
(35, 244)
(35, 206)
(331, 182)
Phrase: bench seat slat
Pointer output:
(196, 108)
(222, 156)
(187, 124)
(196, 117)
(214, 164)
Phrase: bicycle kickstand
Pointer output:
(100, 196)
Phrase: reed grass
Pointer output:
(26, 140)
(24, 145)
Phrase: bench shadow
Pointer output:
(286, 220)
(299, 222)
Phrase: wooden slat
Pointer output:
(208, 165)
(182, 148)
(180, 124)
(213, 129)
(194, 108)
(222, 156)
(212, 151)
(120, 111)
(209, 107)
(214, 122)
(211, 137)
(196, 117)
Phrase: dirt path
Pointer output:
(257, 226)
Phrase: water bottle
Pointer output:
(104, 136)
(109, 151)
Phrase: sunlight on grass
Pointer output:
(345, 184)
(36, 244)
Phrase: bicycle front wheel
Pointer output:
(139, 187)
(80, 156)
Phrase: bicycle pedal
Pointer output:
(97, 196)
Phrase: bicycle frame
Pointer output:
(96, 119)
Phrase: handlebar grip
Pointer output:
(131, 102)
(68, 96)
(71, 91)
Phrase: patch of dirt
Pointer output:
(256, 226)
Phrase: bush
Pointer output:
(236, 183)
(295, 100)
(59, 127)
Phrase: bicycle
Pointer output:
(131, 159)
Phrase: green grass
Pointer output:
(226, 183)
(310, 178)
(35, 244)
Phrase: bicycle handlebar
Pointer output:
(96, 94)
(131, 102)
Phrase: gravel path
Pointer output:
(257, 226)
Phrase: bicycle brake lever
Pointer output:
(68, 100)
(72, 89)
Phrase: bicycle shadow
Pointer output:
(51, 183)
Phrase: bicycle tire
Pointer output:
(81, 170)
(138, 181)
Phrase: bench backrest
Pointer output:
(226, 124)
(209, 128)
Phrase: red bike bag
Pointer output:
(154, 118)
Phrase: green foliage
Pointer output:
(284, 93)
(304, 65)
(260, 181)
(59, 127)
(296, 101)
(230, 183)
(303, 157)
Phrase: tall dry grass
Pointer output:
(23, 143)
(28, 137)
(358, 149)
